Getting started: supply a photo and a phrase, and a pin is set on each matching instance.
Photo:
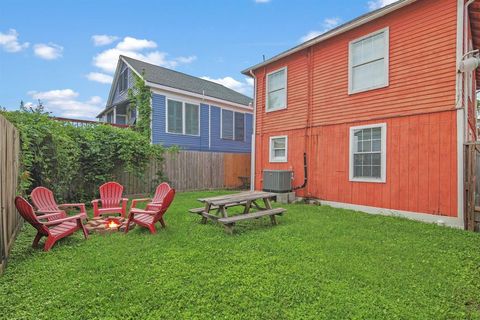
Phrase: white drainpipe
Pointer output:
(254, 124)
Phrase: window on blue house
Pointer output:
(191, 119)
(175, 116)
(123, 80)
(239, 126)
(233, 125)
(227, 124)
(183, 118)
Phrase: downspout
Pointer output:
(254, 133)
(308, 125)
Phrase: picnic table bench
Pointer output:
(215, 208)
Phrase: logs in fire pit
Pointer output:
(104, 225)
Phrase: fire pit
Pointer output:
(103, 225)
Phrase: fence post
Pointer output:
(10, 221)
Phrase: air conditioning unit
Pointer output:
(277, 181)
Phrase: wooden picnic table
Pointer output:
(215, 208)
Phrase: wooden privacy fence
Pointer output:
(10, 220)
(472, 186)
(191, 170)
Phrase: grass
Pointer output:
(318, 263)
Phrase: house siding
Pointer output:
(209, 139)
(422, 72)
(421, 164)
(418, 107)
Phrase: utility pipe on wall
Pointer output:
(254, 133)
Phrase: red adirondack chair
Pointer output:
(156, 201)
(54, 230)
(45, 203)
(111, 200)
(148, 217)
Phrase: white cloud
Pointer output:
(376, 4)
(103, 39)
(245, 87)
(64, 103)
(327, 24)
(100, 77)
(54, 94)
(9, 41)
(262, 1)
(133, 44)
(49, 51)
(137, 49)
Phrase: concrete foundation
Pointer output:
(287, 197)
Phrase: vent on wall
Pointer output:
(277, 181)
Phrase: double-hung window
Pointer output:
(278, 149)
(277, 90)
(233, 125)
(368, 153)
(123, 80)
(183, 118)
(368, 62)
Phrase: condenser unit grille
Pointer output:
(277, 181)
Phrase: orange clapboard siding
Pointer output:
(418, 107)
(422, 72)
(421, 164)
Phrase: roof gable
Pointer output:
(181, 81)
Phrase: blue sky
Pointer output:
(64, 52)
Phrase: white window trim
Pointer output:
(167, 129)
(386, 57)
(233, 125)
(266, 90)
(383, 171)
(282, 160)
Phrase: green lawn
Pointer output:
(318, 263)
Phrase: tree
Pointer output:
(31, 108)
(139, 97)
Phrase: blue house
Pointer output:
(189, 112)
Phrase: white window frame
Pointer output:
(286, 90)
(270, 150)
(233, 125)
(167, 129)
(383, 154)
(386, 56)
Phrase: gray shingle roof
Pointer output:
(178, 80)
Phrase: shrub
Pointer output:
(74, 161)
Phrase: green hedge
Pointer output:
(74, 161)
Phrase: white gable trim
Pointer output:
(187, 96)
(207, 99)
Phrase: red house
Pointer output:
(380, 106)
